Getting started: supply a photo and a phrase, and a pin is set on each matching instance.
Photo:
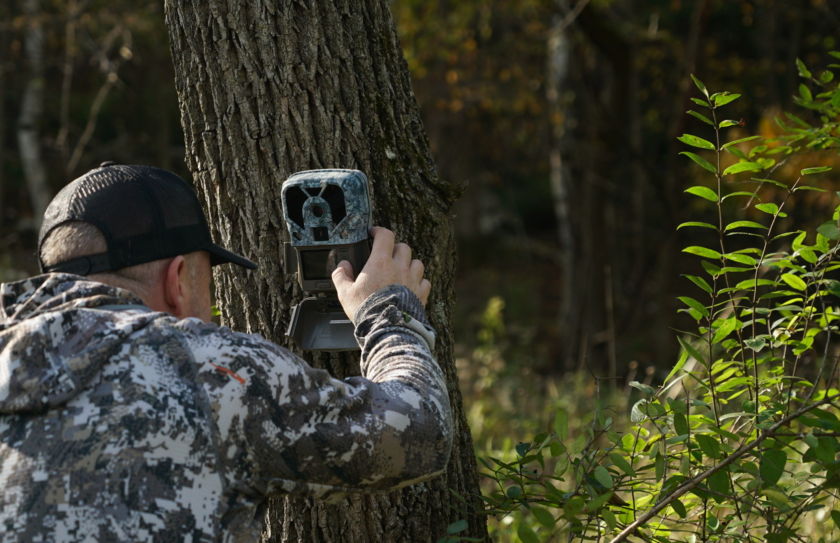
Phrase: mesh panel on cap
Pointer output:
(144, 213)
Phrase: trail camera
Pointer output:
(328, 215)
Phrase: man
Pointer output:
(125, 415)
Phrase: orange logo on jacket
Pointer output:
(229, 372)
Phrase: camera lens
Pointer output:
(317, 210)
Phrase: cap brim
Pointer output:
(223, 256)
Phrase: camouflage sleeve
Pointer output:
(284, 426)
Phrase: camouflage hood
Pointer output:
(54, 338)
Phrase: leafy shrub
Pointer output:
(740, 441)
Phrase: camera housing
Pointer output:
(328, 216)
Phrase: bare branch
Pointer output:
(112, 66)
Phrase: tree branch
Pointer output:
(690, 484)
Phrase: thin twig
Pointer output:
(572, 14)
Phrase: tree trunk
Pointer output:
(269, 88)
(31, 110)
(559, 50)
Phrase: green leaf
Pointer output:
(679, 508)
(726, 123)
(695, 141)
(702, 251)
(829, 230)
(797, 243)
(772, 466)
(793, 118)
(697, 225)
(527, 534)
(756, 343)
(719, 483)
(637, 412)
(659, 467)
(805, 93)
(770, 181)
(609, 518)
(574, 506)
(699, 84)
(700, 282)
(678, 366)
(705, 164)
(598, 502)
(689, 348)
(645, 389)
(743, 166)
(737, 193)
(749, 284)
(765, 163)
(695, 305)
(700, 116)
(543, 516)
(734, 383)
(770, 208)
(808, 255)
(457, 527)
(514, 492)
(835, 516)
(622, 463)
(722, 98)
(726, 327)
(802, 69)
(708, 445)
(735, 151)
(744, 224)
(680, 424)
(711, 268)
(740, 140)
(777, 498)
(815, 170)
(703, 192)
(561, 424)
(741, 258)
(602, 475)
(794, 281)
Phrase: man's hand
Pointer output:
(388, 264)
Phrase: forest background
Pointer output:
(559, 120)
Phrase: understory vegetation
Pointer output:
(739, 441)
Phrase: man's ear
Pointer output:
(174, 289)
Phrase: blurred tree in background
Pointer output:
(83, 81)
(562, 119)
(558, 117)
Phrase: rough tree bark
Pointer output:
(269, 88)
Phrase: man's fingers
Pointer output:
(417, 270)
(383, 243)
(402, 254)
(342, 275)
(423, 291)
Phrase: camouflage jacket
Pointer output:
(118, 423)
